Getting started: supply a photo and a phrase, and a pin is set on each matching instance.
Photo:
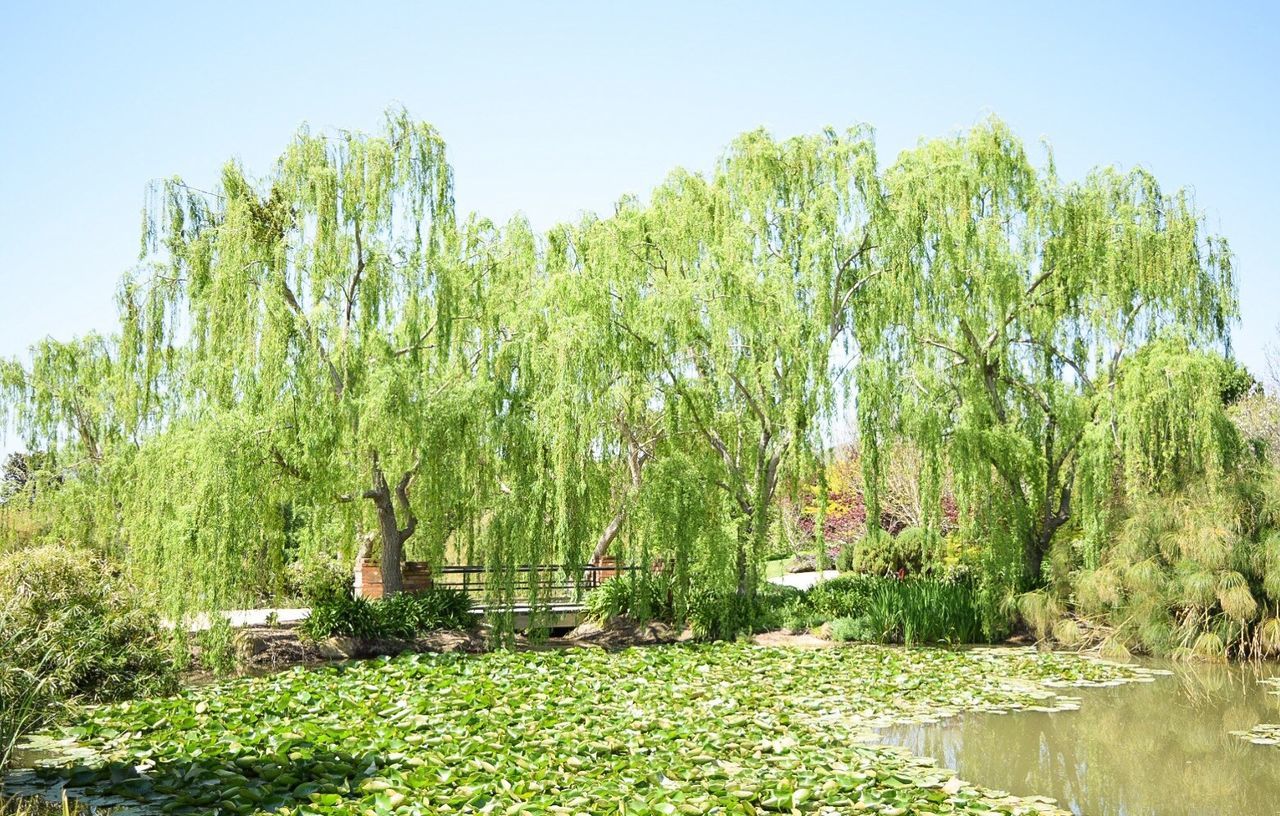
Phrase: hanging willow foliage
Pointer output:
(997, 335)
(701, 326)
(328, 353)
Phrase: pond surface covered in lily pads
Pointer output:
(727, 728)
(1200, 742)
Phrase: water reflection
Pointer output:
(1137, 750)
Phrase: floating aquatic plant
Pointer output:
(728, 728)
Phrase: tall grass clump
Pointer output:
(400, 617)
(638, 595)
(915, 611)
(711, 613)
(71, 630)
(25, 701)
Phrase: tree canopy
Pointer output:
(329, 353)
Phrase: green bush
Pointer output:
(641, 596)
(100, 643)
(886, 610)
(925, 611)
(857, 630)
(23, 685)
(71, 631)
(726, 615)
(401, 616)
(320, 580)
(405, 615)
(721, 615)
(342, 617)
(712, 614)
(846, 557)
(841, 596)
(217, 646)
(912, 552)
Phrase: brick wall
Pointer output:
(415, 576)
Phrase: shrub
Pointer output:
(845, 558)
(877, 609)
(342, 617)
(857, 629)
(641, 596)
(217, 646)
(69, 630)
(914, 551)
(927, 611)
(99, 642)
(1193, 573)
(320, 580)
(405, 615)
(839, 597)
(728, 614)
(721, 615)
(401, 616)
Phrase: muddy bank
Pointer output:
(261, 650)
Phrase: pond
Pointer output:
(724, 728)
(1164, 747)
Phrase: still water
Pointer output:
(1145, 749)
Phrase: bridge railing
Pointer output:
(550, 583)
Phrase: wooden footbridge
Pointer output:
(549, 595)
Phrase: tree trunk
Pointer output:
(607, 537)
(393, 536)
(392, 550)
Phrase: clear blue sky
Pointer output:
(554, 108)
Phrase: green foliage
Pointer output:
(915, 551)
(355, 617)
(321, 580)
(809, 707)
(711, 614)
(880, 609)
(71, 631)
(402, 616)
(91, 639)
(930, 611)
(858, 629)
(638, 595)
(877, 609)
(325, 350)
(217, 647)
(726, 615)
(1194, 573)
(1235, 382)
(844, 596)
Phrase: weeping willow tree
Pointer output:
(330, 347)
(327, 353)
(997, 335)
(73, 403)
(700, 329)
